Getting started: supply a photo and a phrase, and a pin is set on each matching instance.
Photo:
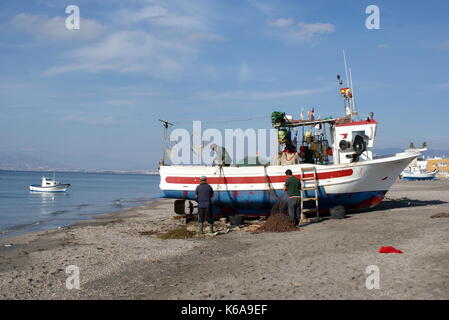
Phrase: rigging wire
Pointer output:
(222, 121)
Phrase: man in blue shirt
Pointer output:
(204, 194)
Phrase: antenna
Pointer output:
(346, 67)
(348, 106)
(354, 108)
(166, 124)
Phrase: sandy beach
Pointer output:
(325, 260)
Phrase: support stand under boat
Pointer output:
(180, 208)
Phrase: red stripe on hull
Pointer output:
(371, 202)
(259, 179)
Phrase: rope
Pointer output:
(294, 154)
(281, 204)
(227, 188)
(268, 180)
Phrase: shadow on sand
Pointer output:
(388, 204)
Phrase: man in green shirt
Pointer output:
(293, 187)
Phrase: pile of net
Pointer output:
(178, 233)
(278, 223)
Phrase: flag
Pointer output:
(345, 91)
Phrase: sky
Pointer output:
(92, 97)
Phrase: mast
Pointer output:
(354, 108)
(348, 106)
(348, 93)
(166, 124)
(346, 66)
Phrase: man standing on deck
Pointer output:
(223, 158)
(293, 187)
(204, 194)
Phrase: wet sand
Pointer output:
(326, 260)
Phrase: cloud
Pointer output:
(130, 51)
(244, 72)
(301, 31)
(283, 94)
(89, 120)
(182, 17)
(161, 16)
(14, 86)
(121, 102)
(281, 22)
(144, 90)
(263, 6)
(256, 95)
(444, 85)
(43, 27)
(163, 47)
(205, 36)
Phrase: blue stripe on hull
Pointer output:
(48, 191)
(260, 202)
(413, 179)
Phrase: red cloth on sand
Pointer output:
(389, 250)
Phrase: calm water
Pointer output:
(23, 211)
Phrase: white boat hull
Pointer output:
(56, 188)
(423, 175)
(254, 190)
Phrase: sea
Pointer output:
(22, 211)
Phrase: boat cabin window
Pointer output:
(359, 132)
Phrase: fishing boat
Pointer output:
(49, 185)
(333, 154)
(413, 173)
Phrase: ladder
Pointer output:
(309, 183)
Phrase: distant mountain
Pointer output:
(35, 161)
(26, 161)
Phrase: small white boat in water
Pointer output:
(49, 185)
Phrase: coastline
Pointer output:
(140, 172)
(91, 194)
(94, 219)
(327, 260)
